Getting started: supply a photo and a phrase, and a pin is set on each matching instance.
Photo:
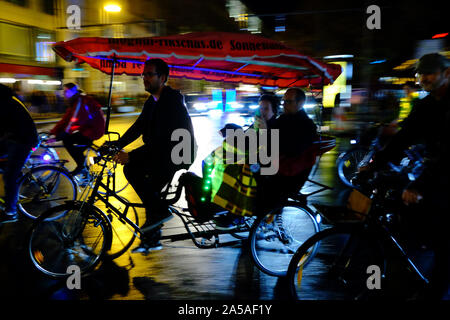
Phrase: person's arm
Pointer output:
(173, 116)
(412, 127)
(62, 124)
(135, 131)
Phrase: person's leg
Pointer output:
(76, 144)
(148, 187)
(17, 155)
(433, 224)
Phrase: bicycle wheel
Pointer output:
(45, 187)
(339, 269)
(349, 162)
(275, 237)
(123, 233)
(81, 238)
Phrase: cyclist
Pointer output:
(150, 167)
(428, 123)
(18, 135)
(82, 123)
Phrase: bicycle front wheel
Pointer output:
(275, 237)
(43, 188)
(80, 237)
(340, 268)
(349, 162)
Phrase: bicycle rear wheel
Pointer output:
(45, 187)
(80, 237)
(339, 268)
(275, 237)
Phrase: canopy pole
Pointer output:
(321, 106)
(108, 110)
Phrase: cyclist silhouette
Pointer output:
(18, 135)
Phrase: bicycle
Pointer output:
(275, 236)
(45, 153)
(350, 250)
(83, 235)
(359, 155)
(43, 187)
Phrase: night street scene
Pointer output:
(227, 158)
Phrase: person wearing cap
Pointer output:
(428, 123)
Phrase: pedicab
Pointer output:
(212, 56)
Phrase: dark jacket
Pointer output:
(16, 123)
(427, 124)
(297, 133)
(88, 119)
(156, 123)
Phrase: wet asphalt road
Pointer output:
(177, 272)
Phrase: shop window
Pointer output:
(15, 41)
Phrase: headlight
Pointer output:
(91, 160)
(200, 106)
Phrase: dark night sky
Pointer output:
(403, 23)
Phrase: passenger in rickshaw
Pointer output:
(297, 132)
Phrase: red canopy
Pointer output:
(213, 56)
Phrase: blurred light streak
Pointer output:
(439, 35)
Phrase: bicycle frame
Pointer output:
(378, 222)
(205, 230)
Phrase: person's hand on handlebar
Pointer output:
(411, 196)
(122, 157)
(109, 148)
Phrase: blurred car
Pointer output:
(201, 103)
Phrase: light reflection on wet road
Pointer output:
(180, 270)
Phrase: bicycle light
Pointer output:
(46, 157)
(92, 160)
(353, 141)
(318, 218)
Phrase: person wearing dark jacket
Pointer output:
(150, 167)
(428, 124)
(82, 123)
(18, 135)
(297, 132)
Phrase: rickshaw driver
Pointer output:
(150, 167)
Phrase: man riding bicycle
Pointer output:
(428, 124)
(150, 167)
